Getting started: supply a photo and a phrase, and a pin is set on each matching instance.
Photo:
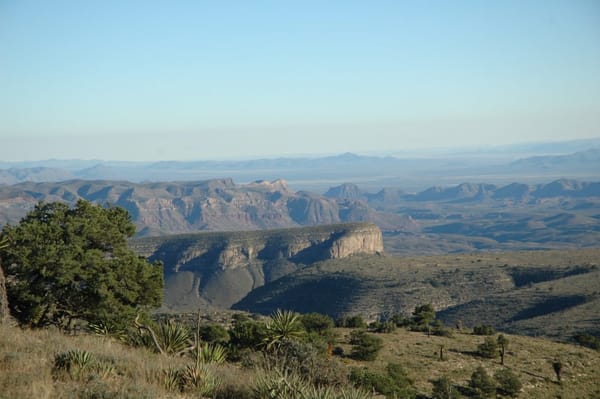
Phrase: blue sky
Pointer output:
(144, 80)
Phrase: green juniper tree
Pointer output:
(69, 263)
(481, 384)
(444, 389)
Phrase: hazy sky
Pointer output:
(145, 80)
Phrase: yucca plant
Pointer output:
(198, 378)
(210, 353)
(170, 379)
(284, 325)
(168, 338)
(75, 362)
(107, 331)
(280, 385)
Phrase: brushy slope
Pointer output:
(27, 358)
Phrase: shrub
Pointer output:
(316, 322)
(351, 322)
(444, 389)
(488, 349)
(423, 316)
(508, 382)
(393, 384)
(213, 333)
(587, 340)
(385, 327)
(481, 384)
(365, 346)
(484, 329)
(246, 333)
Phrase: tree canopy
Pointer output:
(64, 263)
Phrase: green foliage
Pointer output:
(382, 327)
(316, 322)
(393, 384)
(193, 378)
(365, 346)
(210, 353)
(213, 333)
(351, 322)
(284, 325)
(246, 333)
(108, 331)
(484, 329)
(444, 389)
(283, 385)
(423, 318)
(172, 337)
(587, 340)
(488, 349)
(67, 263)
(79, 364)
(481, 384)
(198, 378)
(508, 382)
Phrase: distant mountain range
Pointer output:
(465, 217)
(413, 173)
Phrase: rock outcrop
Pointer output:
(219, 269)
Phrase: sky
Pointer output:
(181, 80)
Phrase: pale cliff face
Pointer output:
(225, 267)
(366, 241)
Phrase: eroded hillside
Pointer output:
(219, 269)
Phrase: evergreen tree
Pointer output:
(73, 263)
(481, 384)
(489, 348)
(444, 389)
(508, 382)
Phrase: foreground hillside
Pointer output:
(28, 366)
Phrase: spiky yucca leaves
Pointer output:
(210, 353)
(279, 385)
(284, 385)
(198, 378)
(107, 331)
(284, 325)
(73, 359)
(79, 363)
(172, 338)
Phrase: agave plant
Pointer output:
(284, 325)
